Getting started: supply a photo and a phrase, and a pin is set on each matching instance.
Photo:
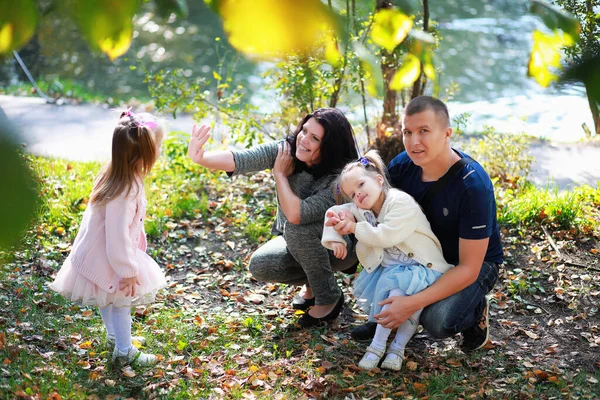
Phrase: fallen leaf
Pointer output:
(411, 365)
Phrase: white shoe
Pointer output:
(110, 340)
(368, 364)
(133, 356)
(395, 362)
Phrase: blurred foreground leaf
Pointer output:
(390, 28)
(556, 18)
(106, 24)
(18, 20)
(269, 29)
(545, 56)
(407, 74)
(19, 190)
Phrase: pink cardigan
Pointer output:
(108, 238)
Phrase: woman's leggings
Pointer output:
(299, 258)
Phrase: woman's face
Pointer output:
(308, 142)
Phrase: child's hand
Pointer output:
(339, 250)
(345, 214)
(284, 163)
(332, 218)
(196, 147)
(128, 285)
(347, 224)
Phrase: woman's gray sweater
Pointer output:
(316, 195)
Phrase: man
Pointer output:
(463, 217)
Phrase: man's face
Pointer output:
(425, 137)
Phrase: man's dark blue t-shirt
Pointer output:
(464, 208)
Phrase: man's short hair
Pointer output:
(424, 103)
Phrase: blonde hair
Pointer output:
(134, 152)
(372, 164)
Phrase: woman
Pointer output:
(304, 167)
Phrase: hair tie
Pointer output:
(337, 189)
(364, 161)
(148, 124)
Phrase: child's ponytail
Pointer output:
(134, 151)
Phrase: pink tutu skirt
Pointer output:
(75, 287)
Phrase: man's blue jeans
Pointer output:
(462, 310)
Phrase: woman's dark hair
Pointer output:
(338, 146)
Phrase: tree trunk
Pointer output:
(388, 140)
(389, 120)
(419, 85)
(595, 109)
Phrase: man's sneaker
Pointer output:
(475, 337)
(364, 332)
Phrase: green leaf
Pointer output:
(422, 47)
(545, 55)
(19, 194)
(270, 29)
(106, 24)
(407, 74)
(390, 28)
(18, 20)
(556, 18)
(167, 7)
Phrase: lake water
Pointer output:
(484, 49)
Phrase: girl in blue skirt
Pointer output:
(399, 252)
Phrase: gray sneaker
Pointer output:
(477, 336)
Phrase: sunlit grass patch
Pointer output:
(532, 206)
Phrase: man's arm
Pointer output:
(471, 256)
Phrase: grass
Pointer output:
(530, 206)
(223, 335)
(67, 89)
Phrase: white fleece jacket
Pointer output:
(401, 224)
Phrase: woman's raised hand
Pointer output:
(284, 163)
(200, 134)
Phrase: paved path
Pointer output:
(83, 132)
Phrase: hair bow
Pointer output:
(148, 124)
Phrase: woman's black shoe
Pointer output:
(351, 270)
(364, 332)
(300, 303)
(307, 321)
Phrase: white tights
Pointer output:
(117, 321)
(403, 334)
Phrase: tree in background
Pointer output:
(382, 53)
(585, 54)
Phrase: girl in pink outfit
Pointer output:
(108, 266)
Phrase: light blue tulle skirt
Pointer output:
(371, 288)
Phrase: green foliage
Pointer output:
(173, 91)
(531, 206)
(18, 21)
(20, 192)
(66, 89)
(585, 12)
(504, 156)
